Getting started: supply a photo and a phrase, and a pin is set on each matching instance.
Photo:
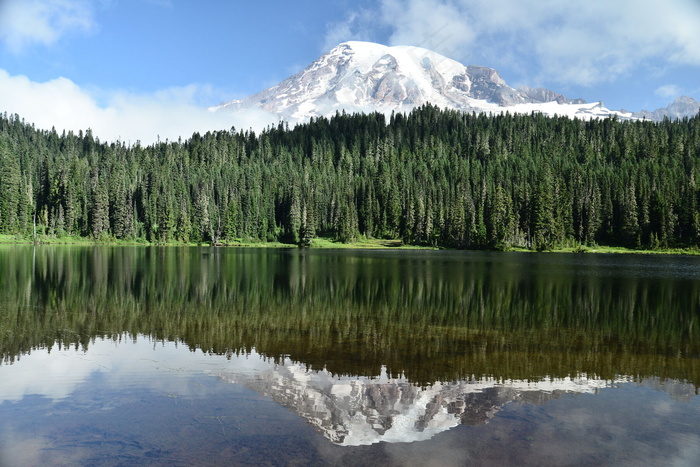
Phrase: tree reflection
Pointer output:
(430, 316)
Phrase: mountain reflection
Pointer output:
(360, 411)
(346, 410)
(421, 316)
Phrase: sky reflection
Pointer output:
(69, 406)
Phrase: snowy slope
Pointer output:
(367, 77)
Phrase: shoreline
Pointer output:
(327, 243)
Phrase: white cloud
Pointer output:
(25, 22)
(57, 373)
(129, 117)
(358, 26)
(669, 91)
(578, 42)
(436, 25)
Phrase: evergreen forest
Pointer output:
(432, 177)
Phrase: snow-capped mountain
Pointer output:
(363, 76)
(681, 107)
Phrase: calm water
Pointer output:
(211, 356)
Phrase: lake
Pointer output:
(221, 356)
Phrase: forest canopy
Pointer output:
(432, 177)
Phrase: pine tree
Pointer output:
(543, 228)
(10, 190)
(99, 212)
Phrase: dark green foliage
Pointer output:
(11, 190)
(432, 177)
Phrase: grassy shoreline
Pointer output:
(328, 243)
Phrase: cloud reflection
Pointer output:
(347, 410)
(146, 387)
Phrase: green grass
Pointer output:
(45, 239)
(68, 240)
(622, 250)
(324, 243)
(319, 242)
(364, 243)
(615, 250)
(254, 244)
(329, 243)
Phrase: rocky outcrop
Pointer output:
(681, 107)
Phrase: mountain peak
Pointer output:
(365, 77)
(682, 106)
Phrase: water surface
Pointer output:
(210, 356)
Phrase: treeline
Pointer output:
(432, 177)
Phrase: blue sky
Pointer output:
(141, 69)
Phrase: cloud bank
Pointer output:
(167, 114)
(111, 114)
(581, 42)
